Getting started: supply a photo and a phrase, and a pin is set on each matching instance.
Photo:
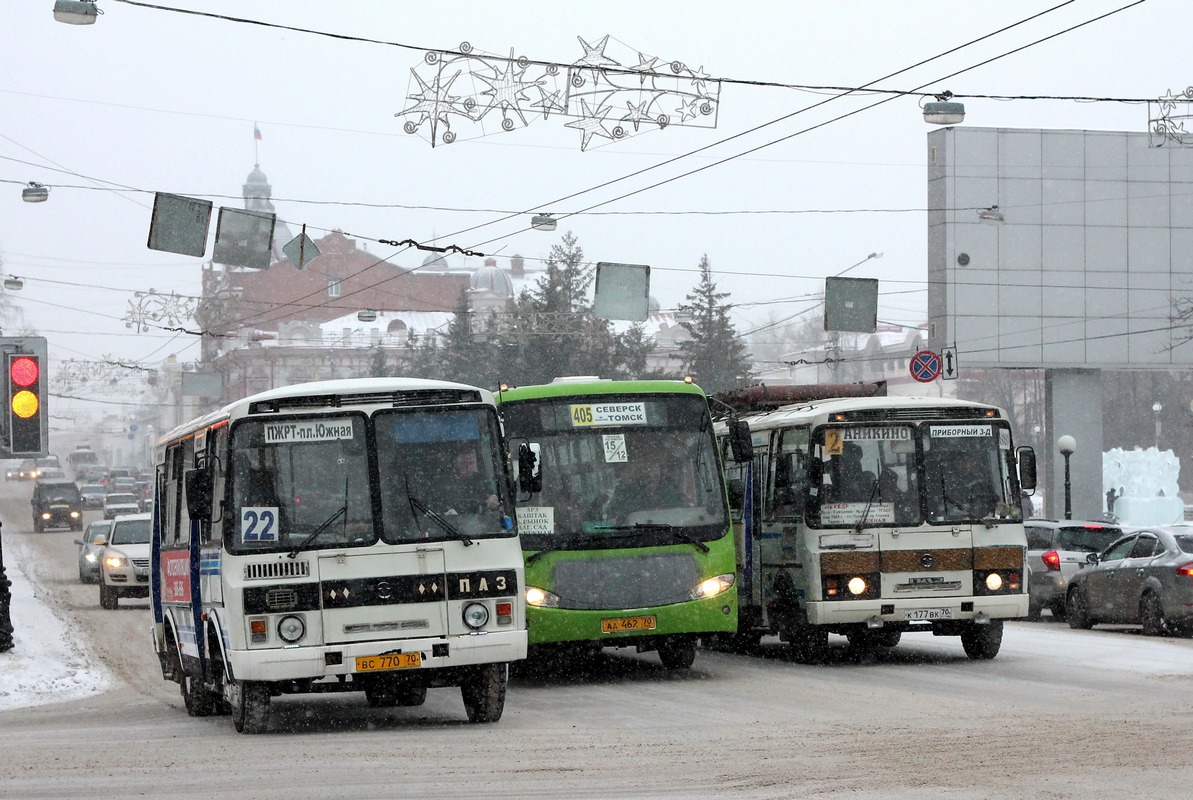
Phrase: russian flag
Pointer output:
(256, 132)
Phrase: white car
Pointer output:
(119, 503)
(124, 561)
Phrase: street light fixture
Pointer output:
(542, 222)
(34, 192)
(944, 111)
(76, 12)
(1067, 445)
(1156, 409)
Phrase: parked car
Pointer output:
(1056, 550)
(1144, 578)
(90, 547)
(124, 565)
(117, 503)
(93, 495)
(56, 504)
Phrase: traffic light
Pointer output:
(27, 418)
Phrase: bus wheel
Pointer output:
(677, 653)
(412, 695)
(982, 641)
(809, 645)
(107, 596)
(250, 706)
(484, 692)
(381, 695)
(198, 700)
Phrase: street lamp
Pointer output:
(1156, 409)
(1066, 445)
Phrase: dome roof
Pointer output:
(435, 261)
(653, 305)
(257, 176)
(491, 279)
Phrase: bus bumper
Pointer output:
(876, 613)
(329, 661)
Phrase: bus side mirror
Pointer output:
(1027, 467)
(530, 468)
(740, 442)
(198, 494)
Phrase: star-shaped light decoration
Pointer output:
(1168, 102)
(644, 65)
(689, 109)
(432, 103)
(700, 80)
(552, 102)
(507, 89)
(638, 113)
(590, 124)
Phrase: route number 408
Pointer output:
(258, 524)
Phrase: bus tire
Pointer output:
(250, 706)
(677, 653)
(381, 695)
(198, 700)
(982, 642)
(483, 692)
(107, 596)
(412, 695)
(809, 644)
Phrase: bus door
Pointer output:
(783, 504)
(361, 604)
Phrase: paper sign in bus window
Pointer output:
(608, 414)
(536, 519)
(615, 449)
(259, 524)
(307, 431)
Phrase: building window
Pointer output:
(333, 287)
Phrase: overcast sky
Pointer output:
(149, 99)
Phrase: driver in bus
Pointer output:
(458, 487)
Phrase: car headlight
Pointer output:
(45, 515)
(541, 598)
(291, 628)
(115, 562)
(74, 515)
(89, 557)
(476, 615)
(713, 586)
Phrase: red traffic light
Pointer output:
(23, 371)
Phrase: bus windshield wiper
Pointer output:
(443, 523)
(341, 511)
(675, 531)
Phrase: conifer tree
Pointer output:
(715, 356)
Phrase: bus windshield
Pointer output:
(290, 477)
(620, 470)
(900, 475)
(439, 475)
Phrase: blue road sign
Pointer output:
(925, 366)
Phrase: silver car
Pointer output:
(1056, 551)
(1144, 578)
(90, 547)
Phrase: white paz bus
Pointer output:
(871, 517)
(349, 535)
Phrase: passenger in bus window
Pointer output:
(854, 483)
(645, 485)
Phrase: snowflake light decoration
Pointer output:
(601, 96)
(166, 309)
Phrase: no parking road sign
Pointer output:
(925, 366)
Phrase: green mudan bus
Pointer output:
(626, 535)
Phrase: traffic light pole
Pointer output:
(5, 603)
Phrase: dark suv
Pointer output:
(57, 504)
(1056, 551)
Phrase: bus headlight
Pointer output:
(713, 586)
(476, 615)
(994, 581)
(541, 598)
(291, 628)
(856, 585)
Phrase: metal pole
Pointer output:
(5, 602)
(1068, 492)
